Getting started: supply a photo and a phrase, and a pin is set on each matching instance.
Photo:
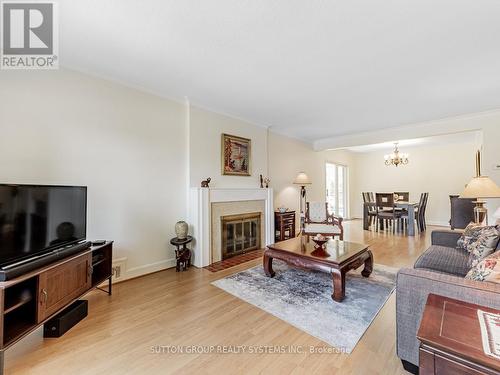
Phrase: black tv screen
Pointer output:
(35, 219)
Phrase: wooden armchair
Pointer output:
(319, 221)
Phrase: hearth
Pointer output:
(240, 233)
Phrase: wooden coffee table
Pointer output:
(337, 258)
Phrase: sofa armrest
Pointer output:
(413, 287)
(446, 238)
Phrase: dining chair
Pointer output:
(372, 196)
(403, 195)
(422, 208)
(419, 213)
(386, 209)
(372, 210)
(365, 197)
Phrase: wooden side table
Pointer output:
(284, 225)
(451, 342)
(182, 253)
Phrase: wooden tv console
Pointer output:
(28, 301)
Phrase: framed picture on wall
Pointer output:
(236, 155)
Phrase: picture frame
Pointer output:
(236, 155)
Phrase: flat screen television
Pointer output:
(35, 219)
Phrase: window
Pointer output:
(336, 189)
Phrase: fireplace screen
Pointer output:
(240, 233)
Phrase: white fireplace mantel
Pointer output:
(200, 204)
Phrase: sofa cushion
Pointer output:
(444, 259)
(467, 235)
(322, 228)
(486, 270)
(480, 241)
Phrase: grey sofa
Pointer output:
(439, 270)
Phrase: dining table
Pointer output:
(409, 206)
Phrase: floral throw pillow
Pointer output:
(480, 241)
(486, 270)
(467, 236)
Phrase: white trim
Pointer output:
(147, 269)
(199, 219)
(237, 195)
(442, 126)
(158, 94)
(187, 124)
(438, 223)
(283, 133)
(87, 73)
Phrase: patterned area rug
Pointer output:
(298, 296)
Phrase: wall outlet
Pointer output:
(117, 271)
(119, 268)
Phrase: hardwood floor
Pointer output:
(170, 309)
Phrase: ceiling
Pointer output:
(455, 138)
(308, 69)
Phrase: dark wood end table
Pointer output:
(337, 257)
(182, 253)
(284, 224)
(451, 341)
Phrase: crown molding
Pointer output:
(443, 126)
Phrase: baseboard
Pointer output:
(147, 269)
(438, 223)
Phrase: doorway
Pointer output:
(336, 189)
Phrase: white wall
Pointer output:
(128, 147)
(288, 157)
(139, 154)
(136, 152)
(205, 133)
(440, 170)
(487, 122)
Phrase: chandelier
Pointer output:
(396, 157)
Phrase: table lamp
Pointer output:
(302, 179)
(480, 187)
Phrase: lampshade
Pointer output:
(302, 179)
(481, 187)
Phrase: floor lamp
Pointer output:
(302, 180)
(480, 187)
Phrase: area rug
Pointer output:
(303, 299)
